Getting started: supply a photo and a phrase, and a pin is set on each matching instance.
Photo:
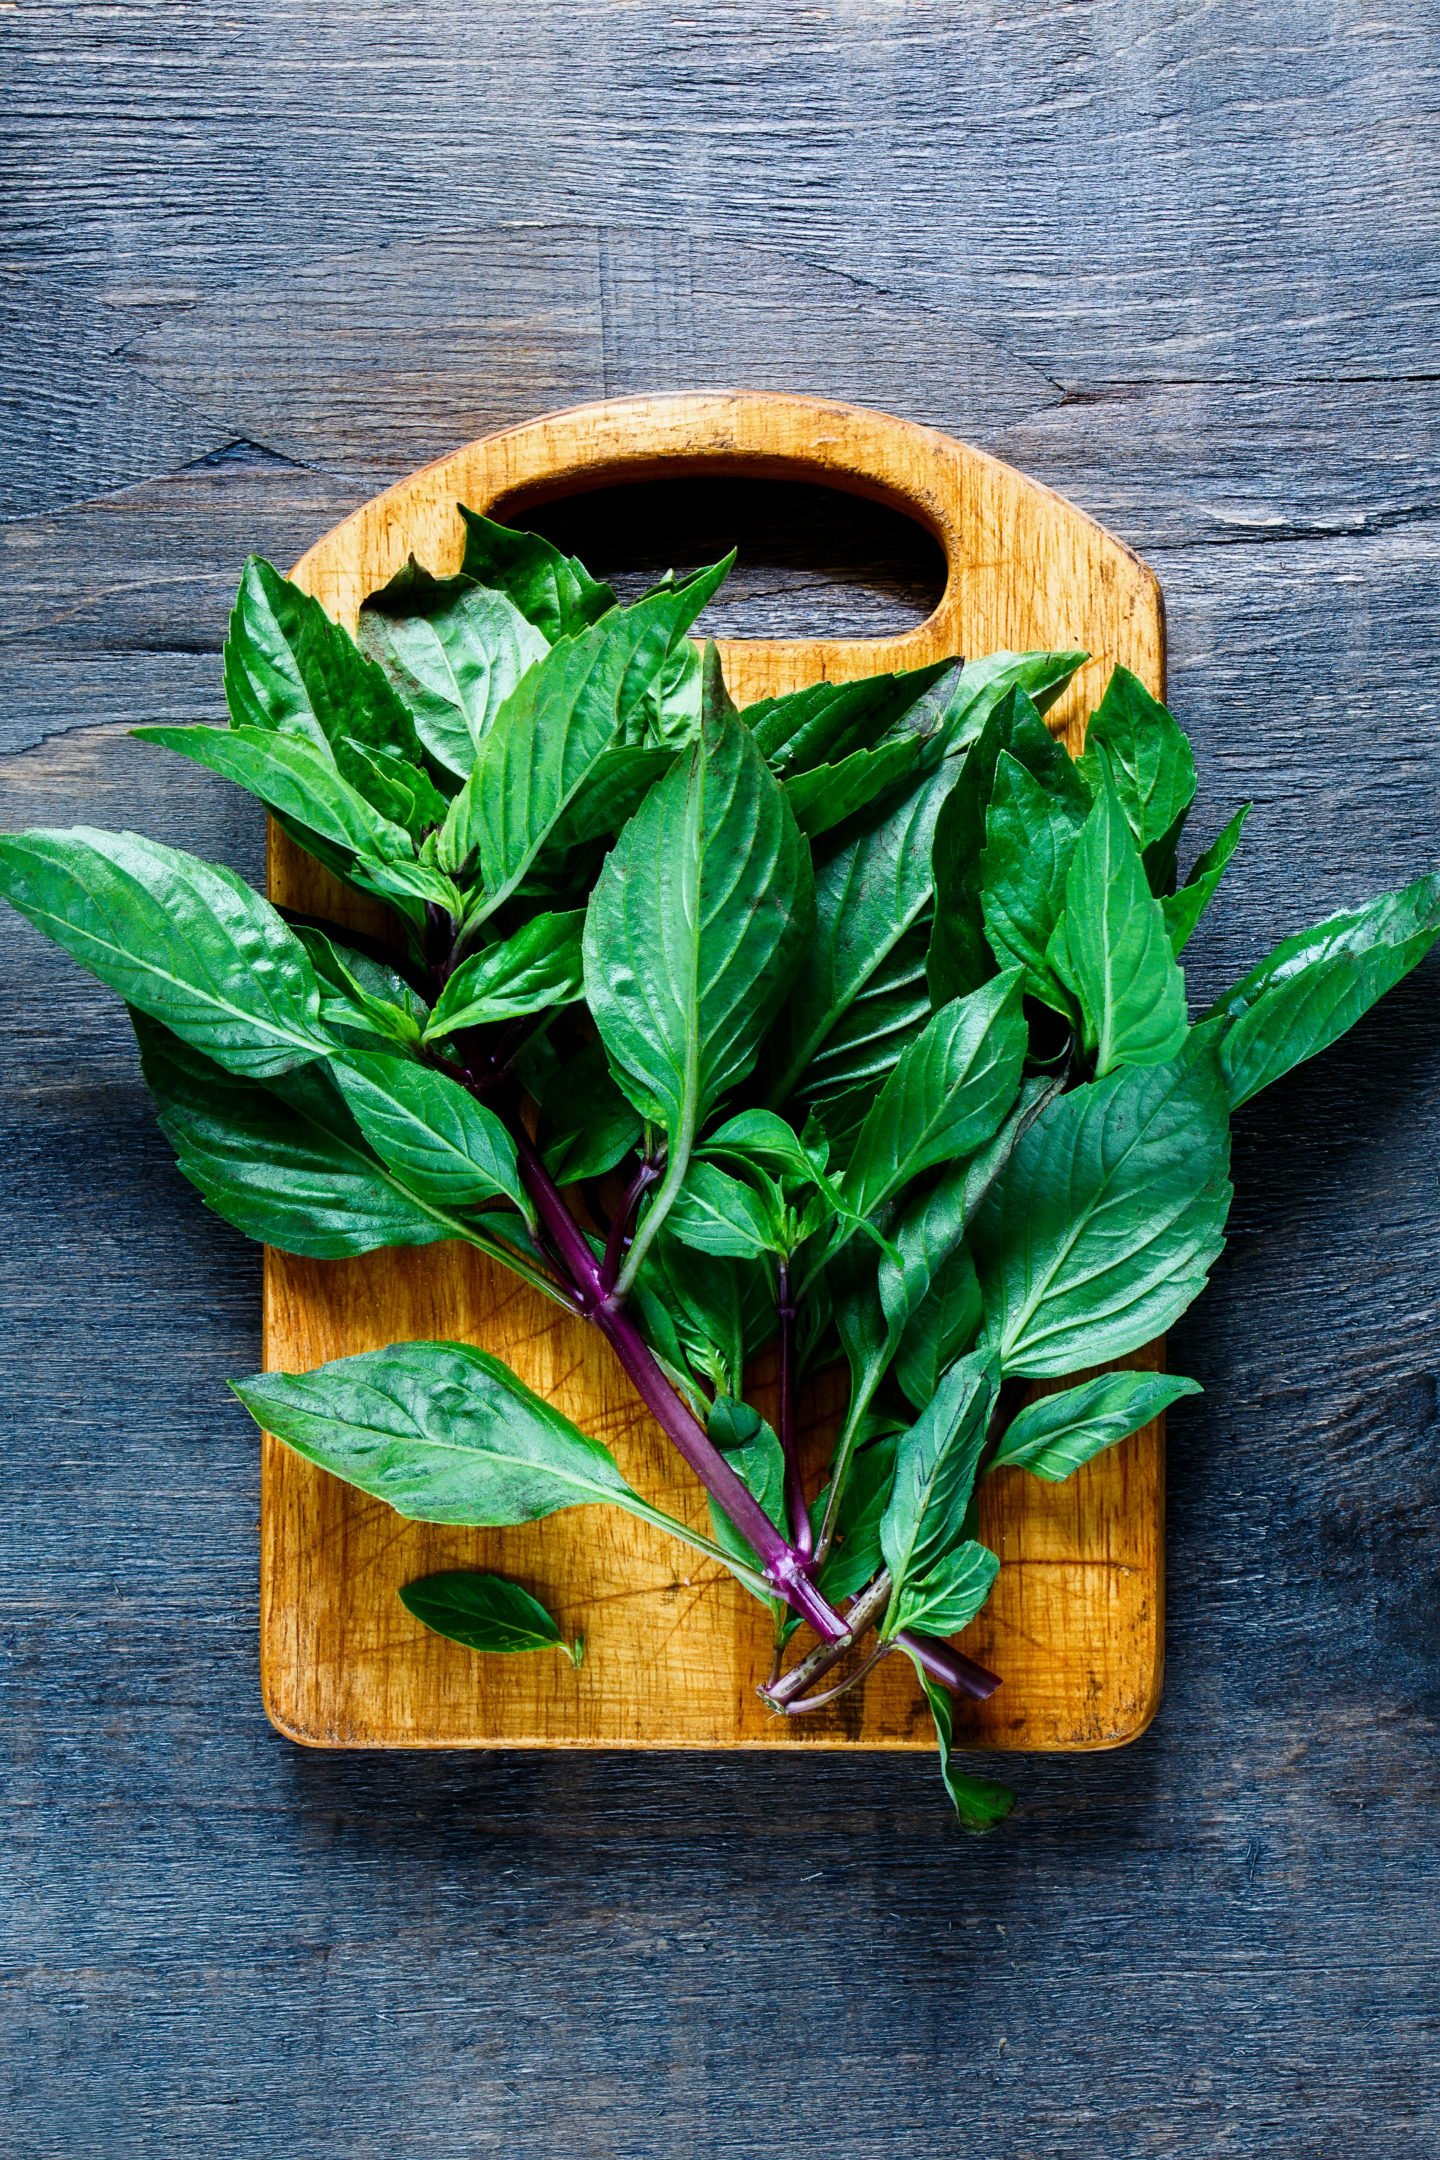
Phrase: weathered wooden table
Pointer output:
(1181, 264)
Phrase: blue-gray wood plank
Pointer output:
(1182, 263)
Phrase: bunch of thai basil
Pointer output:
(852, 1023)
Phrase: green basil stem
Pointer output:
(797, 1507)
(840, 1467)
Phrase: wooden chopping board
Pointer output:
(674, 1647)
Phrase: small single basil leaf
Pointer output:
(619, 781)
(430, 1130)
(1318, 983)
(979, 1803)
(981, 685)
(288, 666)
(825, 722)
(485, 1612)
(1030, 836)
(291, 776)
(755, 1454)
(855, 1555)
(951, 1593)
(361, 993)
(402, 791)
(1108, 1216)
(547, 738)
(693, 933)
(715, 1213)
(959, 958)
(941, 1329)
(869, 898)
(935, 1468)
(1056, 1434)
(536, 969)
(586, 1125)
(282, 1163)
(186, 941)
(946, 1097)
(1116, 955)
(441, 1432)
(454, 651)
(553, 591)
(1148, 758)
(1184, 908)
(825, 795)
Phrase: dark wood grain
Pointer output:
(1177, 262)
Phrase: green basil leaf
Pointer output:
(869, 897)
(441, 1432)
(539, 967)
(291, 776)
(855, 1555)
(873, 1311)
(942, 1328)
(586, 1125)
(755, 1454)
(946, 1097)
(1030, 837)
(715, 1213)
(362, 994)
(979, 1803)
(396, 880)
(454, 651)
(184, 940)
(983, 684)
(864, 1043)
(713, 1312)
(935, 1467)
(401, 791)
(619, 781)
(430, 1130)
(960, 958)
(1053, 1436)
(1108, 1216)
(289, 667)
(282, 1163)
(826, 795)
(1183, 909)
(552, 590)
(545, 742)
(1116, 952)
(952, 1592)
(485, 1612)
(1318, 983)
(693, 932)
(826, 721)
(1150, 762)
(762, 1136)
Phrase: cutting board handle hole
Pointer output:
(814, 562)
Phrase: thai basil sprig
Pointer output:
(853, 1024)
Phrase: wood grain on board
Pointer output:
(674, 1648)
